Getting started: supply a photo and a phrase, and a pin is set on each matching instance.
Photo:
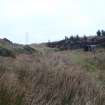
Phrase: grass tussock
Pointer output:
(47, 80)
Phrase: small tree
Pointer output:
(66, 38)
(77, 37)
(72, 38)
(103, 33)
(85, 38)
(98, 33)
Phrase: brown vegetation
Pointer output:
(50, 79)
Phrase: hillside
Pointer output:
(78, 42)
(10, 49)
(53, 77)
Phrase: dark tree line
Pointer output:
(75, 42)
(100, 33)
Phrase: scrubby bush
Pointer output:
(24, 50)
(28, 49)
(6, 52)
(7, 40)
(18, 50)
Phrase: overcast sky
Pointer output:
(50, 19)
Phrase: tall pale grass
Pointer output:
(47, 80)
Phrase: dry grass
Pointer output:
(50, 79)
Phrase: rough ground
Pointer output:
(52, 77)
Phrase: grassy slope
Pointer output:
(51, 78)
(92, 65)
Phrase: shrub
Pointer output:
(28, 49)
(7, 40)
(18, 50)
(6, 52)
